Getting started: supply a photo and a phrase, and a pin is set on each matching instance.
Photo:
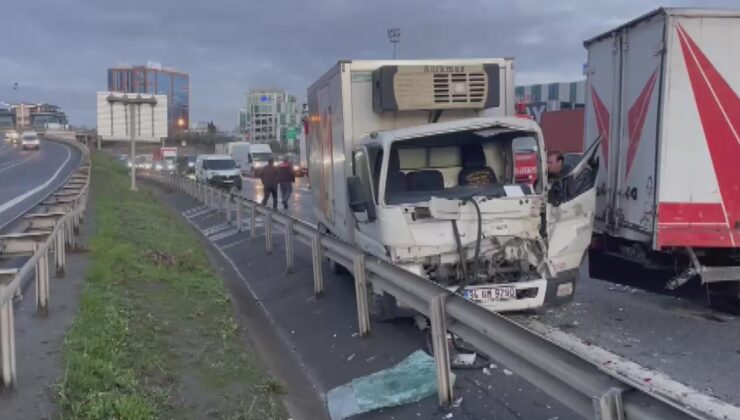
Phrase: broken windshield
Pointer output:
(456, 165)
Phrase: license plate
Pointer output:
(490, 294)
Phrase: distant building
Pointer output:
(27, 115)
(155, 79)
(540, 98)
(7, 117)
(270, 115)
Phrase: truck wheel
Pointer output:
(337, 268)
(382, 307)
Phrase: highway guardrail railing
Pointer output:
(587, 387)
(50, 230)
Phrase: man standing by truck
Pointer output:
(269, 177)
(286, 178)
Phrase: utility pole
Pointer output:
(133, 102)
(394, 36)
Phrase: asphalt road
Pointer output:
(681, 337)
(28, 176)
(320, 333)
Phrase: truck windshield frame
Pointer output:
(419, 168)
(261, 156)
(219, 164)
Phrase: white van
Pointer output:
(218, 170)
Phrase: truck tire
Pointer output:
(381, 307)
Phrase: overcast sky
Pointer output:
(59, 50)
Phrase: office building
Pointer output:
(154, 79)
(545, 97)
(270, 115)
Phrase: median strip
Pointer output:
(155, 336)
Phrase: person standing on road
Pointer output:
(286, 178)
(269, 177)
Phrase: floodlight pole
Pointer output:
(133, 101)
(132, 132)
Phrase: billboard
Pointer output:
(113, 117)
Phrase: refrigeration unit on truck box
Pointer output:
(663, 91)
(408, 158)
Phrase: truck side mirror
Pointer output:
(358, 202)
(354, 195)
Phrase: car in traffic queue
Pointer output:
(217, 170)
(185, 165)
(30, 140)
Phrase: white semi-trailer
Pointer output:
(413, 162)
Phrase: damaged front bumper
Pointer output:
(526, 295)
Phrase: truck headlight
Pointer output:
(565, 289)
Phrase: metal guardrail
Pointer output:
(580, 384)
(50, 232)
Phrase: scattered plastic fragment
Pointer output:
(448, 416)
(352, 356)
(457, 402)
(507, 372)
(486, 371)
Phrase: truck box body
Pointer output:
(411, 161)
(340, 113)
(663, 92)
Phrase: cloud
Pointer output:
(59, 51)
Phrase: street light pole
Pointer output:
(394, 36)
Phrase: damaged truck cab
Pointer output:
(433, 188)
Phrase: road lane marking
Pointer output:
(15, 163)
(20, 198)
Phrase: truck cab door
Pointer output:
(570, 206)
(362, 196)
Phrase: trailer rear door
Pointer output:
(699, 177)
(641, 68)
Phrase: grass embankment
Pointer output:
(155, 336)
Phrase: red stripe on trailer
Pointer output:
(602, 122)
(719, 111)
(695, 236)
(689, 213)
(636, 119)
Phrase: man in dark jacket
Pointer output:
(269, 177)
(286, 178)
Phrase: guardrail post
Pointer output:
(363, 315)
(268, 232)
(608, 406)
(7, 337)
(42, 283)
(228, 207)
(252, 221)
(318, 278)
(239, 214)
(60, 252)
(289, 259)
(70, 234)
(441, 352)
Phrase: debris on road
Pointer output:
(507, 372)
(411, 380)
(464, 359)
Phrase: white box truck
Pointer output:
(662, 90)
(249, 157)
(413, 162)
